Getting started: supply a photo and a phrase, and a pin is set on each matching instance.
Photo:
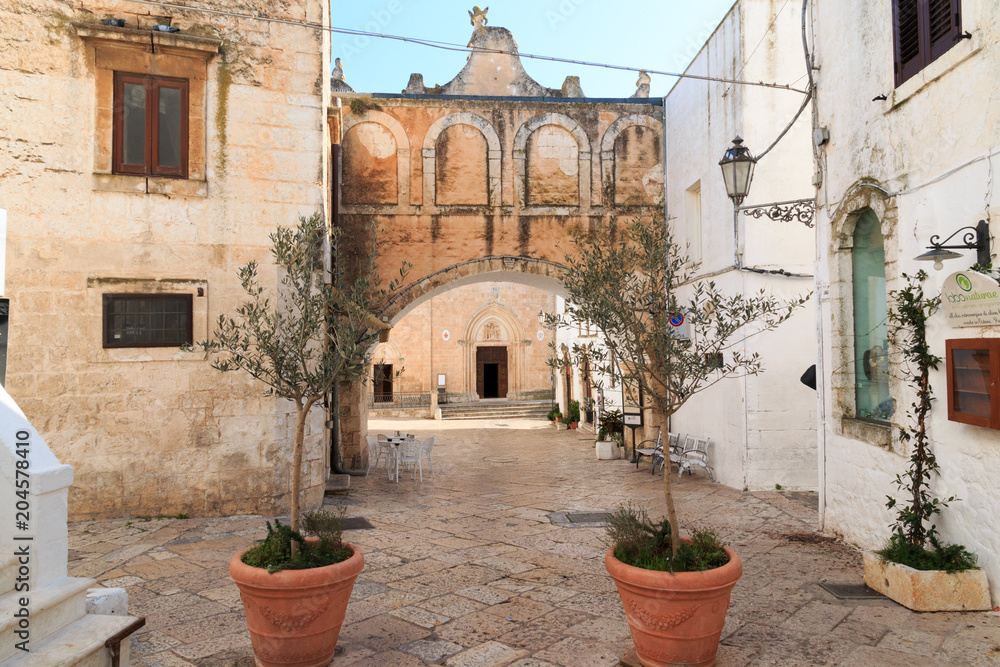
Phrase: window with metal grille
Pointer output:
(150, 125)
(923, 30)
(147, 320)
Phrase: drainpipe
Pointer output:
(822, 297)
(335, 466)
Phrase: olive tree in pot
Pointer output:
(313, 331)
(943, 577)
(625, 278)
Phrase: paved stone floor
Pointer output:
(467, 569)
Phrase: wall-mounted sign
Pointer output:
(676, 319)
(541, 335)
(445, 335)
(971, 299)
(441, 381)
(633, 421)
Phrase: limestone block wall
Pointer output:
(920, 178)
(154, 430)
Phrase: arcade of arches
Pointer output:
(483, 180)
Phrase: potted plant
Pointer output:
(610, 435)
(295, 605)
(300, 340)
(553, 413)
(943, 577)
(573, 414)
(626, 278)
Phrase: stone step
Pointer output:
(493, 415)
(80, 644)
(8, 572)
(51, 608)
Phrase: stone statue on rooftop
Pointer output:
(338, 70)
(477, 17)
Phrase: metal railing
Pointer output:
(398, 399)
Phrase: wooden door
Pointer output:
(502, 375)
(382, 383)
(491, 355)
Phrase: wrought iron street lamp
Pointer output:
(975, 238)
(737, 170)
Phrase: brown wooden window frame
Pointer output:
(108, 329)
(992, 346)
(928, 49)
(151, 166)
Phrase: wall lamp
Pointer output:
(737, 170)
(975, 238)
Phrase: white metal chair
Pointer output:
(695, 455)
(425, 452)
(389, 449)
(374, 453)
(409, 455)
(673, 451)
(650, 448)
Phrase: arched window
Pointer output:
(871, 330)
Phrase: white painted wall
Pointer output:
(933, 126)
(762, 429)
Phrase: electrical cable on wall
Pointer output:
(449, 46)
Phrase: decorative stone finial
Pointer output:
(338, 70)
(571, 87)
(642, 85)
(477, 17)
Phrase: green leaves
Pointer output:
(309, 332)
(909, 333)
(627, 279)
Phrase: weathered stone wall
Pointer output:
(922, 160)
(506, 178)
(154, 430)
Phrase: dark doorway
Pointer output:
(382, 383)
(491, 372)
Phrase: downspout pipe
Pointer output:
(821, 296)
(335, 466)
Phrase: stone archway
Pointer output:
(402, 148)
(494, 325)
(429, 153)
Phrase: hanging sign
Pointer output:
(971, 299)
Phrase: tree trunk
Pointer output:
(300, 427)
(675, 530)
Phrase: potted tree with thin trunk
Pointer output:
(626, 278)
(300, 339)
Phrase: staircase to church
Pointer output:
(490, 409)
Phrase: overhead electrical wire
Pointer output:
(449, 46)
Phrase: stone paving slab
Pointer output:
(469, 568)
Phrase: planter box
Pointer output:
(928, 590)
(607, 450)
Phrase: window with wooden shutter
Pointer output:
(922, 31)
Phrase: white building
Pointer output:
(762, 428)
(911, 155)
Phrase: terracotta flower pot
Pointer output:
(675, 619)
(294, 616)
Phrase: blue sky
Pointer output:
(655, 34)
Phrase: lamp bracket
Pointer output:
(795, 210)
(970, 240)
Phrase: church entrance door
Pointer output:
(491, 372)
